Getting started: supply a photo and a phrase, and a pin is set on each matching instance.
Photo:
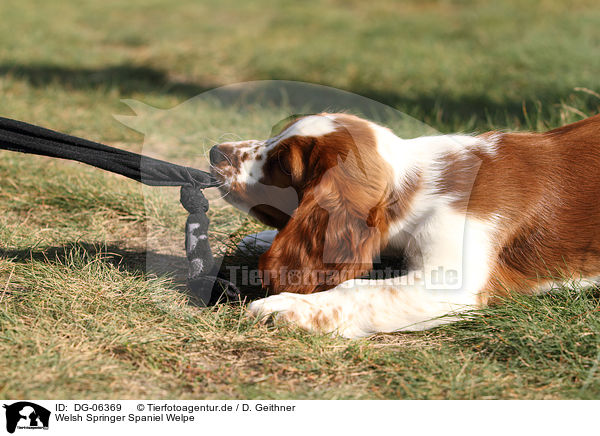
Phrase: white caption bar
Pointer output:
(370, 418)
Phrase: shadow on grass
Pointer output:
(132, 261)
(137, 262)
(441, 110)
(236, 267)
(127, 79)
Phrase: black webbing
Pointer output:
(27, 138)
(202, 280)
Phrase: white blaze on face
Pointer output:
(313, 126)
(251, 169)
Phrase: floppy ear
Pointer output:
(296, 159)
(296, 164)
(332, 237)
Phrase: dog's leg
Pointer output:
(355, 310)
(456, 269)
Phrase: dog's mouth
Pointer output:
(222, 167)
(253, 205)
(263, 201)
(230, 190)
(218, 174)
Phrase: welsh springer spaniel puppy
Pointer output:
(476, 216)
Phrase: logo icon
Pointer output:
(26, 415)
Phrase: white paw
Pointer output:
(295, 309)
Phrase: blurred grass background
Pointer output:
(81, 317)
(453, 64)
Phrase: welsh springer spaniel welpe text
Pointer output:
(476, 217)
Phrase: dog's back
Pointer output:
(544, 190)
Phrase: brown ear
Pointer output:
(330, 238)
(296, 163)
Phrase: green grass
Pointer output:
(92, 266)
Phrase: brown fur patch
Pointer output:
(347, 204)
(321, 322)
(544, 189)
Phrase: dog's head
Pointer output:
(323, 183)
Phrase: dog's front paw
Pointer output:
(286, 307)
(295, 309)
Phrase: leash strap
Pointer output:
(202, 282)
(27, 138)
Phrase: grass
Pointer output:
(92, 266)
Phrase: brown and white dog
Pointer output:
(477, 216)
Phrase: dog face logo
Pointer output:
(26, 415)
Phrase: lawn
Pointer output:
(92, 301)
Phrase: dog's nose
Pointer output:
(216, 156)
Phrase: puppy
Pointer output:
(476, 217)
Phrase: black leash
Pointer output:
(27, 138)
(202, 280)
